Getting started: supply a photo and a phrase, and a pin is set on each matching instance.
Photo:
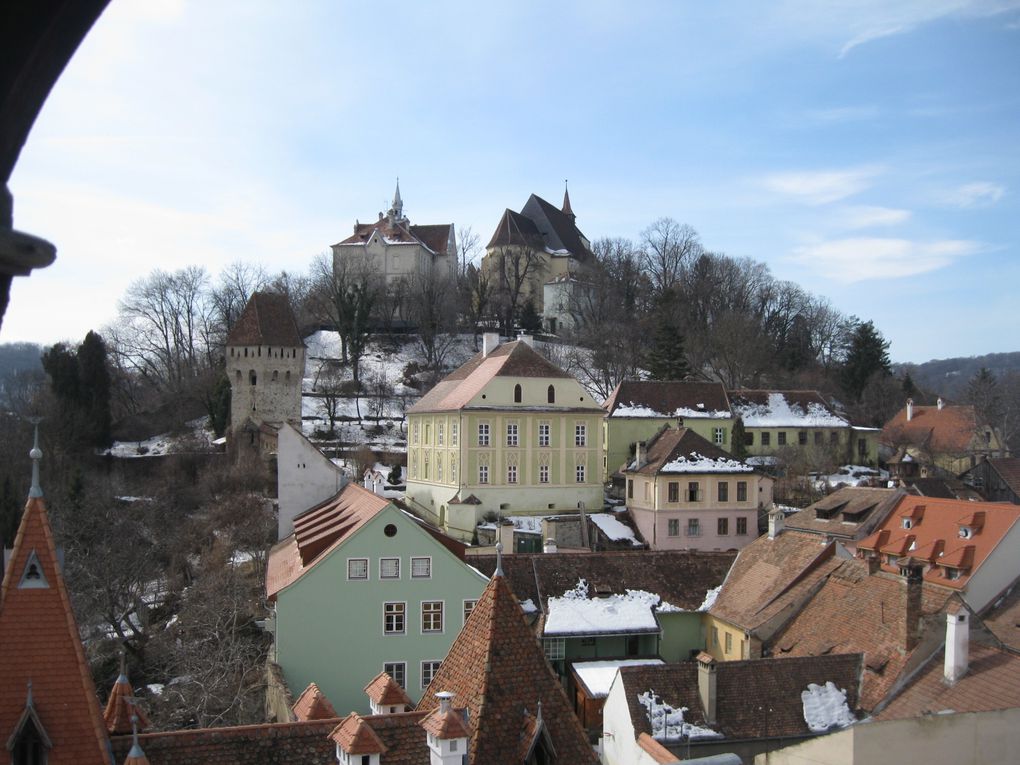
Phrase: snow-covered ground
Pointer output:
(851, 475)
(199, 435)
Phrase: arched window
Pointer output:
(251, 376)
(287, 376)
(276, 375)
(551, 395)
(517, 393)
(246, 353)
(238, 376)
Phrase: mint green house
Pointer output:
(362, 587)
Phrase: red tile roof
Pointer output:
(849, 512)
(446, 725)
(435, 238)
(355, 736)
(312, 704)
(386, 692)
(120, 708)
(41, 645)
(673, 444)
(402, 735)
(949, 430)
(497, 670)
(266, 320)
(938, 521)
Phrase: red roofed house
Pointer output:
(394, 250)
(965, 547)
(945, 438)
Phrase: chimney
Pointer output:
(445, 701)
(707, 685)
(639, 453)
(910, 409)
(776, 522)
(874, 562)
(957, 645)
(549, 546)
(505, 535)
(940, 403)
(490, 342)
(911, 606)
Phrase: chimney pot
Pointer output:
(910, 409)
(911, 606)
(941, 403)
(707, 685)
(490, 342)
(639, 451)
(777, 522)
(445, 701)
(874, 563)
(957, 646)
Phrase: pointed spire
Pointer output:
(499, 560)
(36, 455)
(122, 710)
(398, 203)
(566, 204)
(136, 756)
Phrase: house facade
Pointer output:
(637, 409)
(394, 249)
(789, 421)
(362, 587)
(685, 493)
(508, 432)
(997, 479)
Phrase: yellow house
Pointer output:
(637, 409)
(506, 432)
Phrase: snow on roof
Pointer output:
(528, 606)
(638, 410)
(612, 528)
(825, 707)
(780, 413)
(598, 675)
(696, 463)
(668, 722)
(577, 614)
(710, 597)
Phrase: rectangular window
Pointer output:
(749, 439)
(719, 436)
(715, 636)
(543, 434)
(357, 568)
(415, 432)
(741, 491)
(428, 432)
(394, 618)
(648, 490)
(693, 527)
(421, 568)
(723, 527)
(724, 491)
(692, 491)
(673, 491)
(766, 439)
(579, 474)
(432, 616)
(802, 437)
(673, 527)
(862, 447)
(511, 434)
(398, 671)
(439, 468)
(389, 568)
(439, 434)
(511, 474)
(453, 468)
(483, 434)
(454, 431)
(580, 434)
(483, 474)
(428, 671)
(741, 527)
(781, 438)
(543, 474)
(630, 488)
(818, 438)
(553, 648)
(469, 606)
(834, 437)
(425, 463)
(729, 641)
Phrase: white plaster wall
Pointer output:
(996, 573)
(304, 475)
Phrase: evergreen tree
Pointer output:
(983, 393)
(94, 389)
(219, 406)
(10, 513)
(667, 359)
(529, 320)
(909, 388)
(738, 440)
(867, 356)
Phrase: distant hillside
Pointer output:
(16, 358)
(949, 377)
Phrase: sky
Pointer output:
(868, 150)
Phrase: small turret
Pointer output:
(567, 210)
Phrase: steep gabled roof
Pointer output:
(1003, 618)
(435, 238)
(755, 698)
(515, 359)
(312, 704)
(497, 670)
(848, 512)
(266, 320)
(385, 691)
(681, 450)
(1008, 469)
(784, 409)
(121, 707)
(41, 645)
(949, 430)
(658, 398)
(517, 230)
(557, 229)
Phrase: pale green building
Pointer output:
(507, 432)
(362, 587)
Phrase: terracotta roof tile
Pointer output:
(121, 707)
(355, 736)
(435, 237)
(41, 645)
(667, 397)
(385, 691)
(266, 320)
(312, 704)
(446, 725)
(850, 512)
(949, 430)
(1008, 469)
(1003, 619)
(496, 668)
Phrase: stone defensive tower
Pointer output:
(265, 364)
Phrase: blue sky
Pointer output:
(866, 149)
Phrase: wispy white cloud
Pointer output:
(819, 187)
(861, 258)
(868, 216)
(976, 194)
(839, 114)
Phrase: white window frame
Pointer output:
(454, 433)
(364, 578)
(403, 617)
(544, 434)
(442, 617)
(439, 434)
(466, 611)
(513, 434)
(511, 474)
(416, 432)
(719, 436)
(483, 474)
(579, 473)
(391, 577)
(554, 648)
(672, 527)
(580, 434)
(428, 562)
(484, 434)
(694, 527)
(393, 674)
(543, 474)
(429, 667)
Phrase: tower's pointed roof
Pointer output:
(312, 704)
(398, 203)
(267, 319)
(496, 670)
(567, 210)
(121, 709)
(41, 645)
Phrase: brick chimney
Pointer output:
(957, 645)
(911, 606)
(707, 685)
(874, 562)
(490, 342)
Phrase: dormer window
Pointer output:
(966, 532)
(907, 523)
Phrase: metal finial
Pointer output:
(136, 748)
(499, 559)
(538, 717)
(36, 455)
(28, 698)
(123, 666)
